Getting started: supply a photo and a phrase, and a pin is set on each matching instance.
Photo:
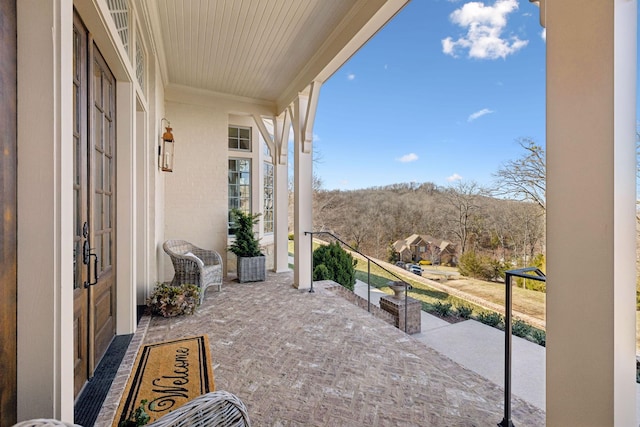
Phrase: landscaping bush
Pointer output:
(321, 272)
(442, 309)
(170, 301)
(424, 262)
(481, 267)
(539, 337)
(490, 318)
(520, 328)
(339, 264)
(464, 311)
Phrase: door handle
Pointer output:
(87, 254)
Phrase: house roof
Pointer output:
(266, 50)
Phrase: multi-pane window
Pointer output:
(239, 138)
(268, 198)
(239, 187)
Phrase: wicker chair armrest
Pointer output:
(209, 257)
(44, 422)
(218, 408)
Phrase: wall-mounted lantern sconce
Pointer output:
(166, 149)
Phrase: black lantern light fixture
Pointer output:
(166, 149)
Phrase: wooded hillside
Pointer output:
(372, 219)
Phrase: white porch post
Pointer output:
(126, 210)
(303, 116)
(591, 88)
(281, 125)
(45, 210)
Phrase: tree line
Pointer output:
(504, 221)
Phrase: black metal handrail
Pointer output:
(532, 273)
(369, 261)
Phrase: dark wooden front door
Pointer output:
(8, 203)
(94, 205)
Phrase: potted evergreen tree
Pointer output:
(251, 261)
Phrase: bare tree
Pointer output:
(524, 178)
(463, 211)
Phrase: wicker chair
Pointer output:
(44, 422)
(218, 408)
(215, 409)
(193, 265)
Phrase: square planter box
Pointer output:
(251, 269)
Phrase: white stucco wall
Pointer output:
(196, 191)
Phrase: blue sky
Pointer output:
(441, 93)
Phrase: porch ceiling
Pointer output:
(267, 50)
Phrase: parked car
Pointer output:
(400, 264)
(416, 269)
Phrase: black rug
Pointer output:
(88, 404)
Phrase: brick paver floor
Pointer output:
(301, 359)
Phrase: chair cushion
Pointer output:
(200, 262)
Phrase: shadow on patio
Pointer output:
(297, 358)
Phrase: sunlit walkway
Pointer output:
(297, 358)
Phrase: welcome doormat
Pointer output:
(167, 375)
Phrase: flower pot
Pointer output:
(251, 269)
(398, 289)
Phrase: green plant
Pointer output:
(321, 272)
(464, 311)
(138, 417)
(540, 337)
(245, 243)
(442, 309)
(339, 264)
(520, 328)
(424, 262)
(490, 318)
(169, 301)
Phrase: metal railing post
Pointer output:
(506, 421)
(368, 285)
(532, 273)
(311, 251)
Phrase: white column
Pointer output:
(302, 206)
(282, 125)
(591, 87)
(126, 208)
(303, 113)
(45, 210)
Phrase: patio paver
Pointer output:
(301, 359)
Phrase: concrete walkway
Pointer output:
(480, 348)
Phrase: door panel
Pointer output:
(102, 189)
(8, 207)
(80, 203)
(94, 210)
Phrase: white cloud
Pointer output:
(351, 76)
(479, 114)
(454, 177)
(543, 34)
(484, 26)
(411, 157)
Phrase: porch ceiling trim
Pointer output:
(265, 50)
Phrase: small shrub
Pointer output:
(321, 272)
(339, 264)
(138, 417)
(520, 329)
(490, 318)
(424, 262)
(170, 301)
(539, 337)
(464, 311)
(290, 236)
(442, 309)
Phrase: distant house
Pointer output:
(422, 247)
